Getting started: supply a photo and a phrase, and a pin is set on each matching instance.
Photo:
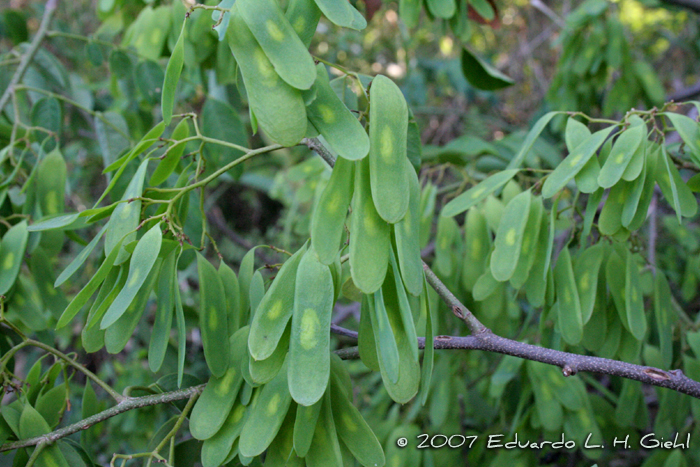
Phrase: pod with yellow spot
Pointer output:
(610, 219)
(325, 450)
(370, 238)
(262, 371)
(570, 319)
(407, 237)
(144, 257)
(14, 243)
(548, 407)
(266, 416)
(634, 302)
(51, 187)
(586, 273)
(309, 348)
(281, 452)
(278, 107)
(214, 405)
(477, 193)
(353, 430)
(213, 317)
(388, 131)
(509, 237)
(574, 162)
(303, 15)
(216, 449)
(620, 155)
(288, 55)
(328, 221)
(164, 312)
(536, 284)
(118, 334)
(527, 250)
(275, 310)
(233, 301)
(305, 426)
(341, 129)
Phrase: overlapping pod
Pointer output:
(214, 405)
(341, 129)
(622, 151)
(509, 237)
(309, 348)
(303, 15)
(328, 221)
(213, 318)
(370, 235)
(275, 310)
(278, 107)
(388, 130)
(279, 41)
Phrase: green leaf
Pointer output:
(689, 131)
(305, 426)
(80, 257)
(172, 76)
(407, 237)
(341, 13)
(665, 317)
(144, 257)
(221, 121)
(574, 162)
(46, 115)
(442, 8)
(172, 156)
(570, 317)
(164, 312)
(480, 74)
(387, 351)
(509, 237)
(634, 301)
(532, 135)
(477, 193)
(674, 188)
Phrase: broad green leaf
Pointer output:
(480, 74)
(442, 8)
(342, 14)
(574, 162)
(586, 272)
(216, 449)
(622, 151)
(477, 240)
(305, 426)
(406, 235)
(674, 189)
(575, 133)
(387, 350)
(172, 76)
(547, 406)
(164, 313)
(665, 317)
(303, 15)
(634, 301)
(571, 321)
(172, 156)
(12, 248)
(477, 193)
(221, 121)
(532, 135)
(144, 257)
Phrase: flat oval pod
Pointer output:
(370, 235)
(387, 350)
(445, 238)
(303, 15)
(266, 416)
(279, 41)
(536, 284)
(354, 431)
(216, 449)
(636, 164)
(278, 107)
(570, 319)
(126, 215)
(172, 156)
(335, 122)
(610, 219)
(262, 371)
(164, 312)
(477, 240)
(407, 384)
(407, 237)
(14, 244)
(309, 358)
(305, 426)
(444, 9)
(213, 318)
(214, 405)
(144, 257)
(527, 250)
(328, 221)
(634, 301)
(620, 155)
(586, 273)
(387, 134)
(595, 331)
(275, 310)
(574, 162)
(325, 449)
(397, 290)
(477, 193)
(342, 14)
(587, 178)
(119, 333)
(51, 183)
(509, 237)
(366, 343)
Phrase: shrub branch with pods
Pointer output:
(276, 388)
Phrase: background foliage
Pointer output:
(96, 101)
